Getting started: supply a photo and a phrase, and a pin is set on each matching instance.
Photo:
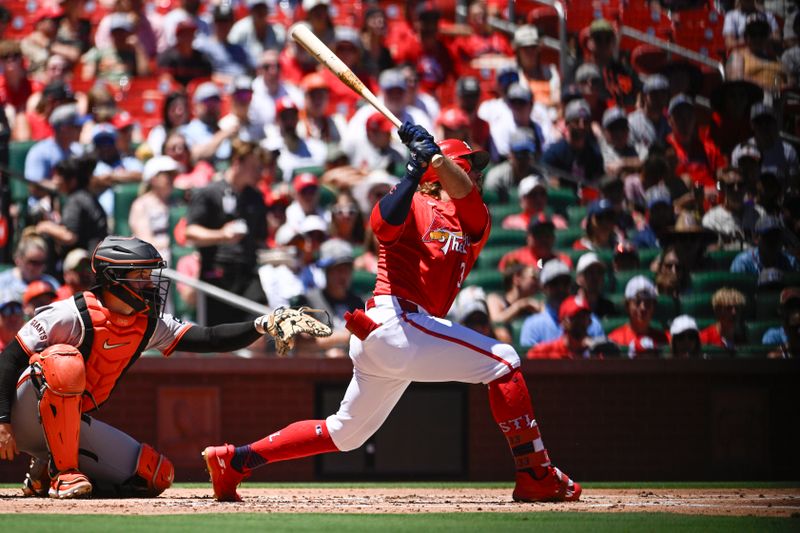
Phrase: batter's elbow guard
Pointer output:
(154, 473)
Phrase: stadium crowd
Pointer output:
(643, 205)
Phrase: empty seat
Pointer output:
(767, 303)
(712, 280)
(565, 237)
(756, 329)
(575, 214)
(363, 283)
(491, 255)
(124, 195)
(489, 279)
(500, 236)
(697, 305)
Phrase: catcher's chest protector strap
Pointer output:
(111, 344)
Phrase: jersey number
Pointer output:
(461, 277)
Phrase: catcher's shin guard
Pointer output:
(60, 377)
(154, 474)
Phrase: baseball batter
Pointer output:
(68, 358)
(430, 236)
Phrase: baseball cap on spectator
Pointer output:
(376, 178)
(571, 306)
(74, 258)
(790, 294)
(506, 76)
(47, 12)
(638, 285)
(223, 11)
(57, 90)
(655, 83)
(552, 270)
(678, 101)
(65, 115)
(120, 21)
(767, 224)
(600, 26)
(761, 110)
(522, 141)
(241, 83)
(613, 116)
(312, 223)
(37, 288)
(428, 8)
(683, 324)
(518, 91)
(540, 224)
(577, 109)
(285, 235)
(471, 307)
(525, 36)
(284, 103)
(314, 81)
(335, 252)
(122, 120)
(304, 180)
(392, 78)
(308, 5)
(588, 260)
(206, 91)
(528, 184)
(657, 195)
(185, 24)
(587, 72)
(346, 34)
(378, 122)
(755, 22)
(104, 133)
(157, 165)
(745, 150)
(468, 85)
(453, 118)
(599, 207)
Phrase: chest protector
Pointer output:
(111, 344)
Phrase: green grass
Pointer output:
(463, 522)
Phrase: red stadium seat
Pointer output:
(545, 18)
(646, 17)
(648, 59)
(700, 30)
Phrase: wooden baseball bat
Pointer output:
(306, 38)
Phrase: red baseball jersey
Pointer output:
(427, 259)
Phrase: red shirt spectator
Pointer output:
(638, 334)
(697, 154)
(712, 336)
(539, 247)
(15, 86)
(575, 316)
(482, 39)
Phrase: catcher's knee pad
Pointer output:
(63, 380)
(154, 474)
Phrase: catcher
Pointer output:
(67, 359)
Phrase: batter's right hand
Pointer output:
(8, 445)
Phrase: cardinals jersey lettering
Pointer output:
(430, 259)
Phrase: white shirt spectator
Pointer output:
(263, 103)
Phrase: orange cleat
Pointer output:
(555, 486)
(224, 478)
(70, 484)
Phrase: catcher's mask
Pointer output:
(130, 269)
(462, 155)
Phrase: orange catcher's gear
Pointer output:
(462, 155)
(61, 381)
(154, 473)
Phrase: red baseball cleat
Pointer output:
(556, 486)
(70, 484)
(224, 478)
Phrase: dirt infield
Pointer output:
(730, 502)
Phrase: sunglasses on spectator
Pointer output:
(35, 262)
(243, 96)
(267, 66)
(647, 302)
(735, 186)
(11, 309)
(10, 57)
(345, 210)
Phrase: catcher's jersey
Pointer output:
(60, 323)
(432, 256)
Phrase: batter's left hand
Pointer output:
(411, 132)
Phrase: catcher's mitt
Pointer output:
(285, 323)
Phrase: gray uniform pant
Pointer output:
(106, 455)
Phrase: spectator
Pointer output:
(30, 258)
(453, 123)
(316, 120)
(506, 176)
(203, 134)
(314, 231)
(377, 57)
(15, 85)
(5, 18)
(574, 316)
(520, 285)
(143, 26)
(591, 279)
(182, 60)
(318, 18)
(280, 275)
(34, 123)
(734, 220)
(538, 248)
(757, 61)
(417, 97)
(660, 216)
(347, 46)
(685, 338)
(270, 86)
(242, 118)
(425, 49)
(731, 102)
(12, 318)
(124, 124)
(112, 168)
(306, 199)
(747, 158)
(775, 152)
(578, 155)
(191, 175)
(276, 215)
(41, 42)
(174, 114)
(690, 241)
(254, 32)
(336, 298)
(542, 78)
(589, 81)
(619, 81)
(468, 96)
(472, 312)
(78, 275)
(789, 307)
(620, 156)
(73, 28)
(101, 108)
(295, 152)
(648, 124)
(626, 258)
(735, 26)
(38, 294)
(227, 222)
(671, 275)
(83, 220)
(170, 24)
(601, 233)
(699, 159)
(149, 214)
(124, 58)
(533, 202)
(347, 221)
(769, 195)
(727, 332)
(638, 334)
(229, 59)
(380, 151)
(790, 60)
(519, 100)
(372, 188)
(612, 189)
(481, 39)
(768, 251)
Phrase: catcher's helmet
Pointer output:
(116, 257)
(462, 154)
